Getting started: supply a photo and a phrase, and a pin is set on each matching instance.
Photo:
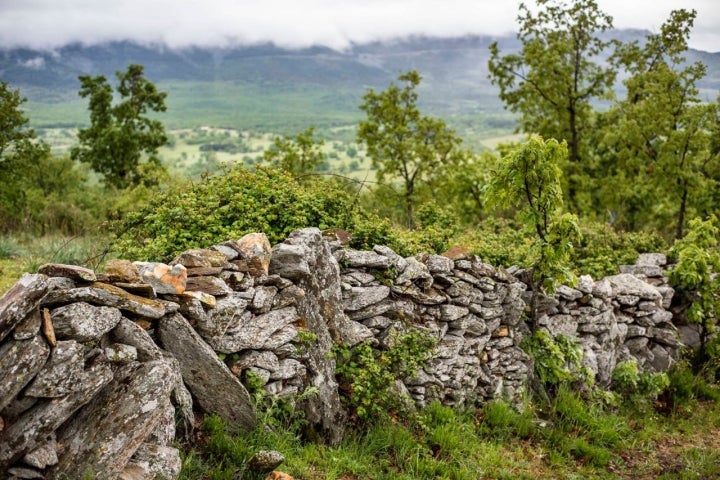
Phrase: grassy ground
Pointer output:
(491, 443)
(20, 254)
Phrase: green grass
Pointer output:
(494, 442)
(19, 254)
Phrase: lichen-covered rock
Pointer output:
(209, 285)
(128, 332)
(80, 274)
(109, 296)
(253, 332)
(122, 271)
(43, 456)
(357, 298)
(265, 461)
(626, 284)
(29, 327)
(153, 462)
(83, 322)
(108, 431)
(120, 353)
(163, 278)
(61, 373)
(34, 426)
(212, 384)
(321, 307)
(17, 302)
(200, 258)
(361, 259)
(416, 273)
(20, 361)
(254, 253)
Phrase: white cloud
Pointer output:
(336, 23)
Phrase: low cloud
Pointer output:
(48, 24)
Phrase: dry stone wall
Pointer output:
(101, 372)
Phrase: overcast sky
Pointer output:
(48, 24)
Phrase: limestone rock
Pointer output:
(108, 431)
(200, 258)
(17, 302)
(34, 426)
(254, 253)
(83, 322)
(265, 461)
(130, 333)
(212, 385)
(289, 261)
(61, 373)
(72, 272)
(43, 456)
(109, 296)
(20, 361)
(163, 278)
(123, 271)
(626, 284)
(357, 298)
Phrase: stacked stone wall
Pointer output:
(100, 372)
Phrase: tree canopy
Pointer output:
(121, 135)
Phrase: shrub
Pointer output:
(368, 374)
(229, 205)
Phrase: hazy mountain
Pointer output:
(454, 70)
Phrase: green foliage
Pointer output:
(299, 156)
(406, 145)
(40, 193)
(369, 373)
(229, 205)
(121, 133)
(556, 76)
(557, 360)
(601, 249)
(530, 176)
(656, 145)
(698, 260)
(638, 389)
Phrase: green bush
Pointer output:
(227, 206)
(368, 373)
(638, 389)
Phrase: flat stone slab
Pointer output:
(212, 383)
(20, 300)
(20, 361)
(108, 431)
(109, 296)
(73, 272)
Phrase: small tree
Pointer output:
(298, 156)
(402, 143)
(121, 134)
(529, 178)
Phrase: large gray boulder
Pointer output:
(107, 432)
(212, 383)
(317, 273)
(37, 424)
